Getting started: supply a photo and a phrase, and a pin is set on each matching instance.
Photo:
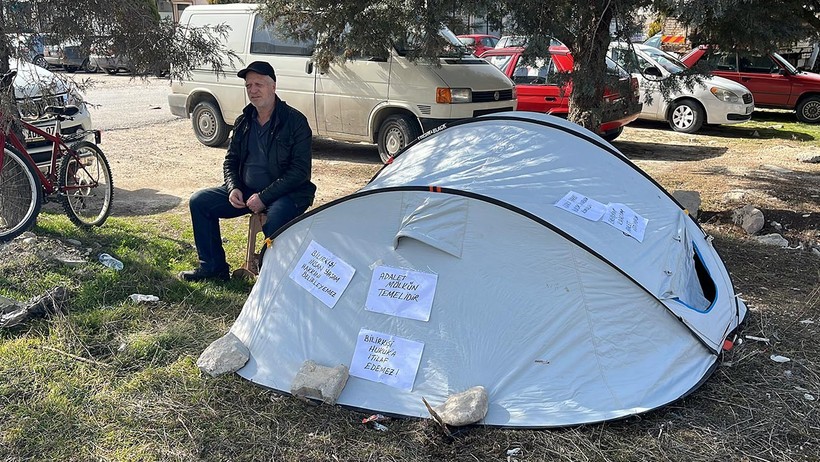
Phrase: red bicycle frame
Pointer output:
(58, 149)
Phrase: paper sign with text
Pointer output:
(401, 292)
(322, 273)
(622, 217)
(387, 359)
(582, 206)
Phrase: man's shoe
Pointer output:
(200, 274)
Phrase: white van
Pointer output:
(388, 101)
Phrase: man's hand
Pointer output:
(255, 204)
(236, 198)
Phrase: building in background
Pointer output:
(172, 9)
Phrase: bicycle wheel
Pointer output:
(85, 185)
(21, 195)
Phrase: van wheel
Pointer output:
(396, 132)
(686, 117)
(209, 127)
(808, 110)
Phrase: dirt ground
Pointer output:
(171, 164)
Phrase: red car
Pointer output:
(773, 81)
(537, 92)
(478, 43)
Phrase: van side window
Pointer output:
(266, 40)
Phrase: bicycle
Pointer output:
(78, 174)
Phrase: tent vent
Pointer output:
(439, 222)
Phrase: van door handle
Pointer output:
(745, 79)
(550, 98)
(309, 67)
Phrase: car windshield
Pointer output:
(664, 59)
(453, 48)
(782, 61)
(615, 69)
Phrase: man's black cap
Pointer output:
(260, 67)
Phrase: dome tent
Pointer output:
(490, 253)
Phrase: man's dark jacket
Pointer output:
(289, 155)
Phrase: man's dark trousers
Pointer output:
(210, 204)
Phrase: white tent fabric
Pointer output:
(562, 319)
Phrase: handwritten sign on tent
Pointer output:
(624, 218)
(387, 359)
(582, 206)
(322, 273)
(617, 215)
(401, 292)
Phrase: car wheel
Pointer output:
(808, 110)
(396, 132)
(209, 127)
(686, 117)
(612, 134)
(89, 67)
(39, 60)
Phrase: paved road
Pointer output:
(120, 102)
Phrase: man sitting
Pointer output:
(267, 169)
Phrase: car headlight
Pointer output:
(446, 95)
(725, 95)
(74, 98)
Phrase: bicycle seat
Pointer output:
(7, 79)
(66, 111)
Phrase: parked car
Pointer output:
(70, 56)
(478, 43)
(714, 101)
(656, 41)
(773, 81)
(111, 63)
(28, 47)
(34, 89)
(539, 91)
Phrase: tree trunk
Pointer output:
(589, 68)
(4, 43)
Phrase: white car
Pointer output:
(34, 89)
(715, 101)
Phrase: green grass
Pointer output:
(770, 125)
(766, 124)
(117, 381)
